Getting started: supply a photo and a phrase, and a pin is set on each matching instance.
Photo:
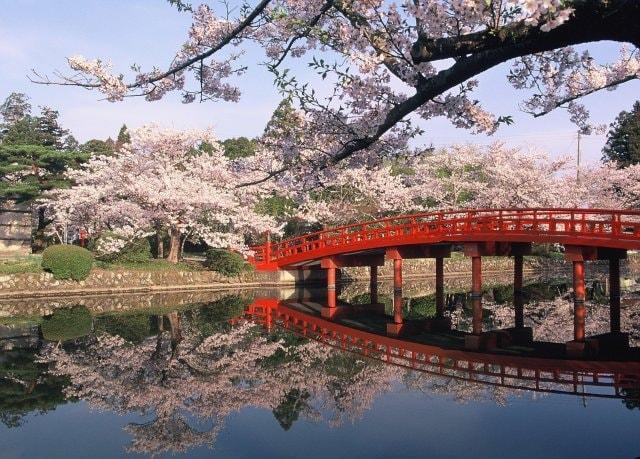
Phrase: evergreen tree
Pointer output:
(123, 137)
(49, 129)
(22, 132)
(70, 143)
(623, 139)
(14, 108)
(28, 170)
(97, 147)
(239, 147)
(283, 122)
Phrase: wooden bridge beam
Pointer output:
(349, 261)
(496, 248)
(418, 251)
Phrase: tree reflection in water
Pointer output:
(186, 372)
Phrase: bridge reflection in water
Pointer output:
(510, 362)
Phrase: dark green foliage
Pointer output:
(631, 397)
(123, 137)
(226, 262)
(422, 307)
(41, 168)
(135, 251)
(27, 387)
(239, 147)
(279, 207)
(283, 122)
(35, 151)
(290, 407)
(131, 327)
(50, 133)
(15, 108)
(214, 317)
(67, 324)
(97, 147)
(503, 294)
(623, 139)
(66, 261)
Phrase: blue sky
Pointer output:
(39, 34)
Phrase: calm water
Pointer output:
(207, 374)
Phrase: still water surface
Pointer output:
(207, 376)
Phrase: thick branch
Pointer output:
(474, 64)
(593, 20)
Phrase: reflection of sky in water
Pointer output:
(182, 376)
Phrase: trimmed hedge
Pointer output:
(226, 262)
(67, 261)
(67, 324)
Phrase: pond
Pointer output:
(261, 373)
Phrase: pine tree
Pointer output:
(49, 129)
(283, 122)
(623, 139)
(123, 137)
(28, 170)
(14, 108)
(97, 147)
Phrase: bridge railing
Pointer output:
(593, 223)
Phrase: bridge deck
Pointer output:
(616, 229)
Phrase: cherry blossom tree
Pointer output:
(179, 181)
(389, 65)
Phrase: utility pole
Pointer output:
(578, 160)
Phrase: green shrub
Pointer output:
(226, 262)
(67, 324)
(67, 261)
(135, 251)
(422, 307)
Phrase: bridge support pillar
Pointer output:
(614, 294)
(331, 287)
(579, 294)
(395, 328)
(518, 294)
(578, 346)
(476, 293)
(373, 284)
(439, 287)
(474, 340)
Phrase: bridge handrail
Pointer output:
(607, 223)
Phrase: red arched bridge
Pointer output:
(586, 234)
